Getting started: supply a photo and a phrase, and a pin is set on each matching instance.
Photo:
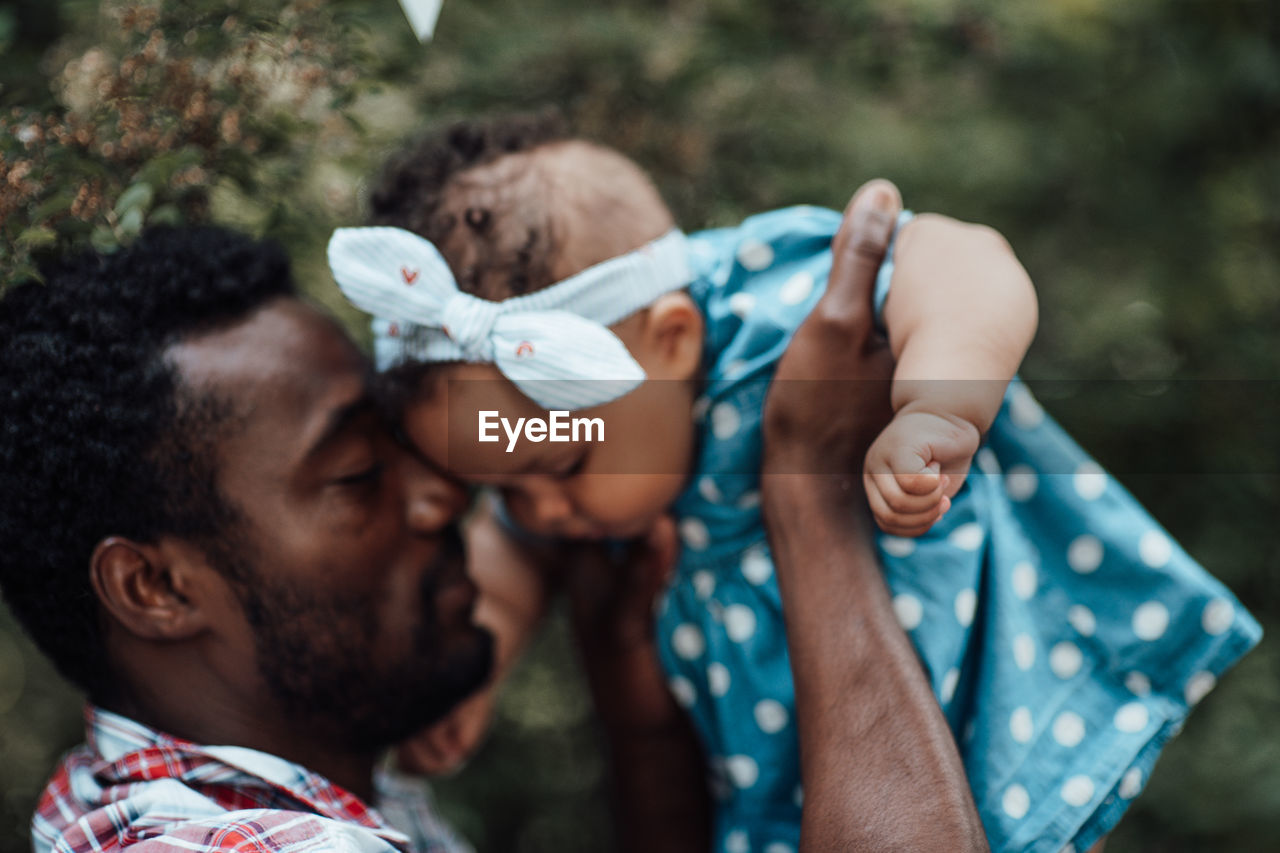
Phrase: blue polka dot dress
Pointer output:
(1065, 634)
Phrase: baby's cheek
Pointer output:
(630, 499)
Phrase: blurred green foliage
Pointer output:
(1129, 150)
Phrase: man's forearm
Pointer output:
(661, 801)
(881, 770)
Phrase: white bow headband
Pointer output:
(553, 344)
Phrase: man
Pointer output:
(205, 523)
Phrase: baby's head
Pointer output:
(514, 208)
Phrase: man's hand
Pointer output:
(830, 394)
(880, 768)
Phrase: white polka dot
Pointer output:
(966, 603)
(1068, 729)
(684, 691)
(742, 769)
(1131, 784)
(739, 622)
(709, 490)
(749, 500)
(896, 546)
(1082, 619)
(1024, 651)
(1090, 481)
(797, 796)
(1084, 554)
(718, 679)
(1155, 549)
(694, 534)
(1024, 411)
(687, 641)
(987, 462)
(734, 368)
(1132, 717)
(725, 420)
(1021, 482)
(1016, 801)
(754, 255)
(756, 567)
(1217, 617)
(949, 682)
(968, 537)
(741, 304)
(1150, 620)
(1021, 727)
(736, 842)
(700, 408)
(704, 584)
(909, 611)
(1065, 660)
(796, 289)
(1070, 848)
(779, 847)
(1138, 683)
(771, 717)
(1077, 791)
(1198, 686)
(1024, 580)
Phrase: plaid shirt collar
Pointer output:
(124, 752)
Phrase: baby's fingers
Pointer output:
(897, 522)
(906, 502)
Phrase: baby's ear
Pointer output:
(671, 338)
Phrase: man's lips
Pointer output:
(458, 595)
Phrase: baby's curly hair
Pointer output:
(100, 437)
(514, 203)
(413, 193)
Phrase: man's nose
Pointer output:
(432, 500)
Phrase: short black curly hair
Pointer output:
(100, 437)
(410, 194)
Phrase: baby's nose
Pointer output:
(551, 506)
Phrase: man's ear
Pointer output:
(152, 590)
(671, 337)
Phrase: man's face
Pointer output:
(348, 598)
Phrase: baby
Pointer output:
(1064, 634)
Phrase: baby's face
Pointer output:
(615, 488)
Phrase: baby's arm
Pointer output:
(513, 588)
(960, 314)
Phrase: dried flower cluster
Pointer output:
(150, 117)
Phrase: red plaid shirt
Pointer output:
(129, 784)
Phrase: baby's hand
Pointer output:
(445, 747)
(914, 467)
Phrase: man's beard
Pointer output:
(318, 656)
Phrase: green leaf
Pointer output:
(24, 271)
(165, 214)
(103, 239)
(131, 222)
(37, 236)
(137, 197)
(52, 207)
(159, 170)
